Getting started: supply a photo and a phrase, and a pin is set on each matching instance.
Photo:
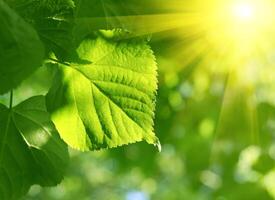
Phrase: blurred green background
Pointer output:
(217, 132)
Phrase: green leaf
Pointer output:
(21, 51)
(109, 102)
(31, 151)
(53, 20)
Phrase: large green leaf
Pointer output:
(31, 151)
(109, 102)
(21, 51)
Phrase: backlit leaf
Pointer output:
(31, 151)
(109, 102)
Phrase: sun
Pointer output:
(242, 25)
(243, 11)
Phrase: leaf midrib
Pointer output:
(37, 123)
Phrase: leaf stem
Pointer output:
(11, 99)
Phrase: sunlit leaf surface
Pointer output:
(109, 102)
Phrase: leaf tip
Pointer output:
(157, 144)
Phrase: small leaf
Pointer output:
(109, 102)
(21, 51)
(31, 151)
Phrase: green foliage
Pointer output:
(21, 51)
(103, 94)
(217, 130)
(53, 21)
(118, 102)
(31, 151)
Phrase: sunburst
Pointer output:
(231, 37)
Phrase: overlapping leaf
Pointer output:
(109, 102)
(53, 20)
(21, 51)
(31, 151)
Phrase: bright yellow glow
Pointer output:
(238, 29)
(243, 11)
